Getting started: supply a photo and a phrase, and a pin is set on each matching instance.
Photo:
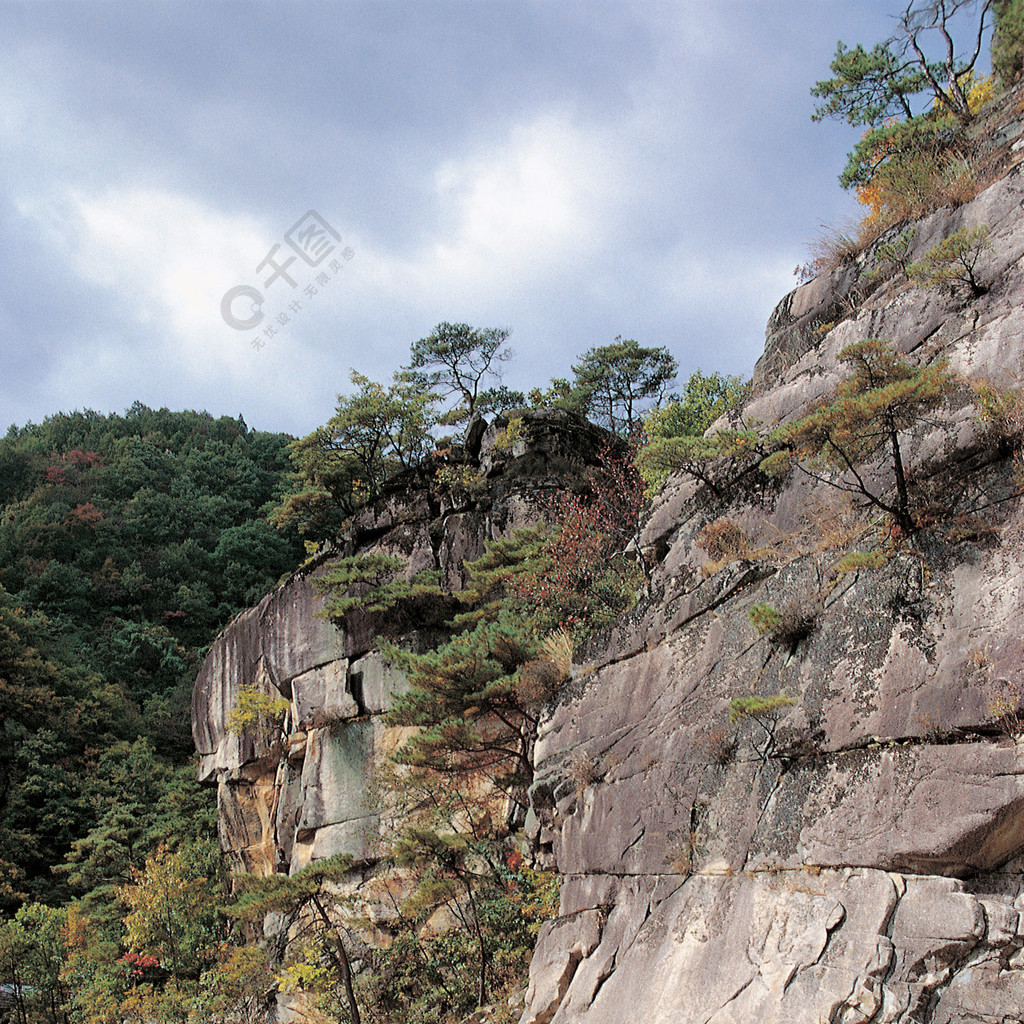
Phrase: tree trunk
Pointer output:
(481, 992)
(342, 961)
(902, 495)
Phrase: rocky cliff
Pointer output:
(302, 794)
(856, 855)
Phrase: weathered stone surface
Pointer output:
(872, 685)
(293, 639)
(321, 695)
(231, 663)
(374, 683)
(287, 803)
(246, 810)
(797, 868)
(561, 945)
(231, 752)
(355, 837)
(547, 441)
(951, 809)
(847, 945)
(289, 780)
(854, 857)
(334, 775)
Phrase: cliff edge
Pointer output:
(854, 854)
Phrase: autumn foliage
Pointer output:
(579, 576)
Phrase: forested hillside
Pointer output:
(125, 543)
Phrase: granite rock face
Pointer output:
(304, 795)
(856, 855)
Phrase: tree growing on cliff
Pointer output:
(763, 711)
(452, 870)
(475, 718)
(615, 383)
(308, 896)
(954, 259)
(453, 863)
(870, 87)
(378, 584)
(376, 432)
(455, 360)
(945, 78)
(914, 99)
(674, 433)
(529, 598)
(862, 423)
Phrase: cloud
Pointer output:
(525, 200)
(510, 217)
(574, 173)
(166, 259)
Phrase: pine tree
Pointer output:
(309, 892)
(455, 360)
(861, 423)
(616, 383)
(374, 434)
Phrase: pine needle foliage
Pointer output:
(374, 583)
(451, 865)
(787, 626)
(953, 260)
(474, 717)
(674, 431)
(615, 383)
(1008, 40)
(764, 712)
(375, 433)
(757, 707)
(882, 398)
(528, 600)
(714, 460)
(308, 892)
(455, 360)
(915, 94)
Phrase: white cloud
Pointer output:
(515, 219)
(519, 207)
(597, 176)
(170, 256)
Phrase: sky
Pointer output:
(351, 174)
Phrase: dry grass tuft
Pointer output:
(1006, 706)
(836, 246)
(581, 769)
(828, 523)
(558, 648)
(724, 541)
(905, 190)
(538, 682)
(719, 745)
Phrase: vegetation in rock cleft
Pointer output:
(954, 260)
(764, 712)
(863, 422)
